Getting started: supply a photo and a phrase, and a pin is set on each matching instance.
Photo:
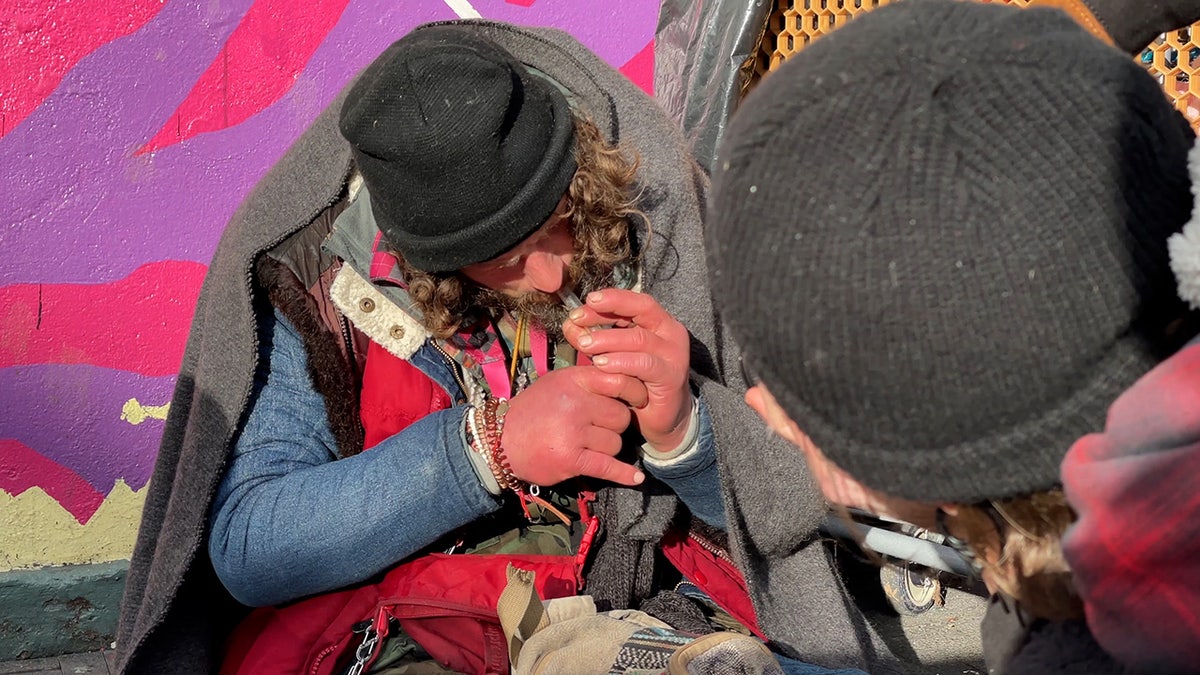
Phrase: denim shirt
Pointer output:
(289, 521)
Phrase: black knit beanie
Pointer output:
(464, 151)
(939, 233)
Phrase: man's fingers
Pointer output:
(613, 385)
(585, 339)
(603, 441)
(573, 332)
(597, 465)
(609, 413)
(642, 367)
(593, 320)
(633, 339)
(638, 308)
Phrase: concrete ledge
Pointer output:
(59, 610)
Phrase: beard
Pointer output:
(544, 310)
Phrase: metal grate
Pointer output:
(1173, 59)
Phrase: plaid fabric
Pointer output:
(1135, 550)
(384, 266)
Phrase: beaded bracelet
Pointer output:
(494, 410)
(480, 444)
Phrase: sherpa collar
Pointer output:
(383, 312)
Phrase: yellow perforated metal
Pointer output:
(1173, 59)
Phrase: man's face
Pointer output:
(538, 266)
(526, 280)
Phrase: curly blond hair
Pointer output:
(600, 206)
(1020, 540)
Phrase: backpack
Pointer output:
(447, 603)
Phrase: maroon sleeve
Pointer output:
(1135, 548)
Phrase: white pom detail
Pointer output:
(1184, 246)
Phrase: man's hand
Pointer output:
(647, 343)
(568, 423)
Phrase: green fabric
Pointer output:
(396, 649)
(552, 539)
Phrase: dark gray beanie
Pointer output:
(465, 152)
(939, 233)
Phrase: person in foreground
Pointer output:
(954, 217)
(384, 365)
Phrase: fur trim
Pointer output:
(1184, 246)
(331, 369)
(375, 315)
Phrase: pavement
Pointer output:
(93, 663)
(940, 641)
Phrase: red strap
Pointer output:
(539, 346)
(495, 370)
(591, 525)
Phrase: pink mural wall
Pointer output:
(130, 130)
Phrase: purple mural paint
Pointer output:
(615, 29)
(116, 211)
(110, 212)
(72, 416)
(83, 209)
(63, 172)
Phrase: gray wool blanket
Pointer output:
(176, 615)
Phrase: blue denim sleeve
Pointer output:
(694, 477)
(288, 521)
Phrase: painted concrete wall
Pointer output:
(129, 132)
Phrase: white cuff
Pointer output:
(661, 459)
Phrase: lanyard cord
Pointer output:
(500, 363)
(517, 350)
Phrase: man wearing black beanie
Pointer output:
(391, 361)
(940, 235)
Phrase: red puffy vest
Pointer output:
(447, 603)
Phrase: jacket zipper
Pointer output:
(348, 339)
(361, 628)
(320, 657)
(454, 368)
(711, 548)
(351, 362)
